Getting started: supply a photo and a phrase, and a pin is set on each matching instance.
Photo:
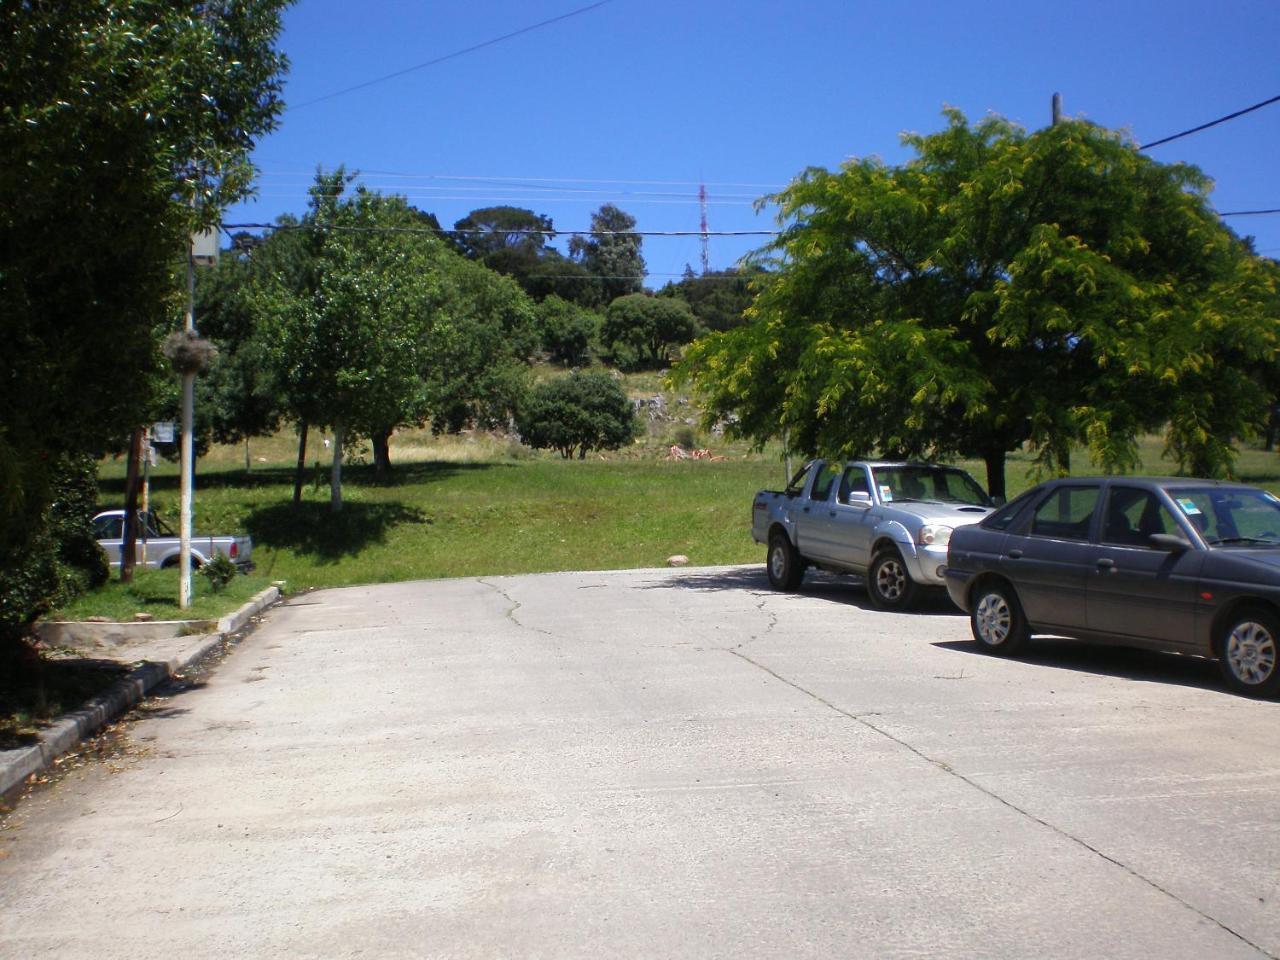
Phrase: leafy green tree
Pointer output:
(567, 330)
(718, 299)
(125, 124)
(516, 242)
(492, 230)
(375, 325)
(580, 412)
(1001, 289)
(238, 398)
(642, 329)
(611, 254)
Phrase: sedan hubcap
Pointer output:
(891, 580)
(1251, 652)
(993, 618)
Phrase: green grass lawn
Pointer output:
(156, 592)
(475, 505)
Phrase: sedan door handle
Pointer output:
(1107, 564)
(1015, 554)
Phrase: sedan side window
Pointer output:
(108, 528)
(1133, 515)
(1066, 514)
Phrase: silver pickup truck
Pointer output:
(888, 520)
(158, 546)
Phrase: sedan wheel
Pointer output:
(1248, 655)
(996, 621)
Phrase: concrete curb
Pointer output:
(68, 730)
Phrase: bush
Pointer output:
(54, 558)
(580, 412)
(219, 572)
(567, 331)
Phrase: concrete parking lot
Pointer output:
(659, 764)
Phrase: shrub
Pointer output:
(219, 572)
(580, 412)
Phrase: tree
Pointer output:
(640, 328)
(376, 325)
(516, 242)
(612, 253)
(126, 123)
(494, 230)
(580, 412)
(718, 299)
(567, 330)
(1000, 289)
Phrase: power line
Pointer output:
(488, 233)
(451, 56)
(530, 180)
(1211, 123)
(1247, 213)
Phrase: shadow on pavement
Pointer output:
(1127, 663)
(847, 590)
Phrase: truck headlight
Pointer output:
(934, 534)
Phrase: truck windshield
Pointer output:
(919, 482)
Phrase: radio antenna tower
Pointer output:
(706, 237)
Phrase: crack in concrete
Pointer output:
(762, 606)
(511, 610)
(946, 768)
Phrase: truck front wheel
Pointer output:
(889, 585)
(784, 565)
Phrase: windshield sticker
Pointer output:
(886, 494)
(1188, 507)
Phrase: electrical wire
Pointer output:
(450, 56)
(508, 233)
(1211, 123)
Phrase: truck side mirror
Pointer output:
(859, 498)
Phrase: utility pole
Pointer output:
(187, 456)
(1057, 109)
(706, 251)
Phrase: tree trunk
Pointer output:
(129, 545)
(1273, 422)
(995, 472)
(302, 462)
(247, 465)
(335, 478)
(381, 442)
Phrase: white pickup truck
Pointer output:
(888, 520)
(158, 546)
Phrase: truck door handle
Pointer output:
(1107, 564)
(805, 510)
(1015, 554)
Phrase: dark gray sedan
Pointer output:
(1174, 564)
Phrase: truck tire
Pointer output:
(889, 585)
(784, 565)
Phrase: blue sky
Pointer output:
(638, 101)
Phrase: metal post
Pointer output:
(188, 448)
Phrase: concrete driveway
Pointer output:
(659, 764)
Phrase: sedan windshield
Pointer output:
(937, 484)
(1231, 516)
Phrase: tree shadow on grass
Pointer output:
(314, 530)
(234, 478)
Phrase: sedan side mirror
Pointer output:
(1170, 542)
